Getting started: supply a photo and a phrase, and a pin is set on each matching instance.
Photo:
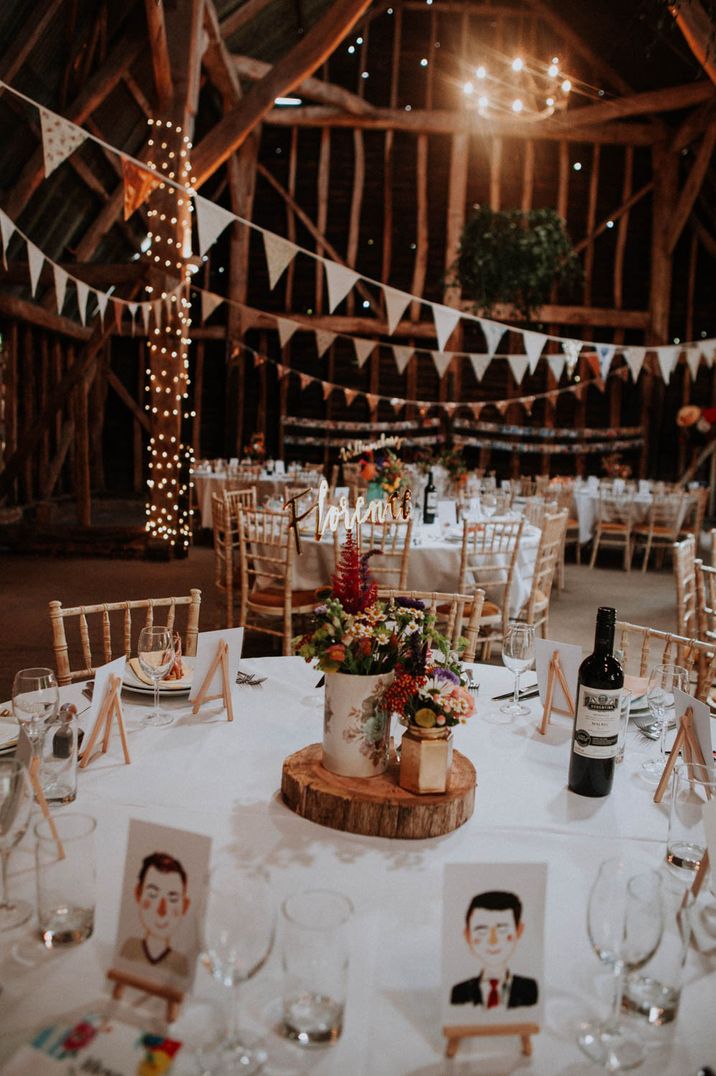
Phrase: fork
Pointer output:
(472, 685)
(249, 679)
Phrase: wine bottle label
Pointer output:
(431, 501)
(596, 728)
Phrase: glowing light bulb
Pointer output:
(518, 63)
(517, 105)
(566, 86)
(468, 88)
(483, 102)
(553, 70)
(577, 166)
(550, 102)
(481, 72)
(424, 62)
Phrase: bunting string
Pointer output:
(548, 449)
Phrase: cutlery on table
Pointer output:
(244, 679)
(526, 693)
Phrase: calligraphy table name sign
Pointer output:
(331, 516)
(357, 448)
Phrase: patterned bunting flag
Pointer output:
(605, 352)
(445, 319)
(571, 349)
(340, 279)
(36, 260)
(211, 220)
(60, 139)
(279, 254)
(138, 185)
(395, 304)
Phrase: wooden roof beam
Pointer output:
(691, 188)
(161, 65)
(698, 32)
(424, 121)
(242, 16)
(217, 60)
(302, 60)
(313, 88)
(665, 100)
(694, 125)
(34, 314)
(24, 42)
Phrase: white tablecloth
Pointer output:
(206, 484)
(586, 503)
(222, 779)
(434, 564)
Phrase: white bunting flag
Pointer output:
(556, 364)
(634, 358)
(324, 339)
(480, 364)
(279, 254)
(667, 358)
(286, 329)
(605, 353)
(102, 299)
(6, 229)
(708, 350)
(518, 365)
(493, 334)
(571, 349)
(36, 260)
(340, 279)
(132, 310)
(442, 360)
(533, 343)
(693, 359)
(60, 286)
(146, 309)
(209, 303)
(402, 356)
(82, 297)
(363, 349)
(59, 139)
(211, 220)
(445, 319)
(395, 304)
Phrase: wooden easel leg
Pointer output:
(227, 686)
(122, 734)
(526, 1045)
(671, 762)
(452, 1045)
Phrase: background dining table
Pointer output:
(207, 483)
(214, 777)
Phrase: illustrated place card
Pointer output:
(102, 678)
(206, 648)
(570, 658)
(493, 944)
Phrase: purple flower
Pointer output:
(446, 674)
(410, 603)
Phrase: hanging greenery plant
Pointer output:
(514, 257)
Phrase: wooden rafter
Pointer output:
(217, 61)
(637, 104)
(301, 61)
(161, 65)
(694, 125)
(698, 33)
(24, 42)
(242, 16)
(315, 89)
(691, 188)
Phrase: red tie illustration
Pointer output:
(494, 996)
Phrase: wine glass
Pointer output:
(16, 801)
(35, 702)
(518, 651)
(660, 697)
(238, 937)
(155, 651)
(625, 921)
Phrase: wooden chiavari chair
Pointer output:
(662, 527)
(706, 601)
(487, 561)
(614, 526)
(536, 609)
(390, 544)
(684, 555)
(643, 647)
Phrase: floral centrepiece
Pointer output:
(438, 698)
(256, 448)
(383, 467)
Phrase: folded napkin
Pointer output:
(166, 685)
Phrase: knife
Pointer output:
(528, 693)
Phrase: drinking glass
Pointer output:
(35, 701)
(654, 991)
(518, 652)
(65, 886)
(692, 786)
(625, 921)
(155, 651)
(238, 937)
(16, 800)
(660, 697)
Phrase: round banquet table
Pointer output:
(206, 775)
(209, 482)
(586, 503)
(434, 563)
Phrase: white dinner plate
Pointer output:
(130, 682)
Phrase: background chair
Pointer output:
(390, 544)
(225, 527)
(536, 609)
(458, 615)
(662, 527)
(684, 555)
(643, 647)
(487, 561)
(693, 521)
(614, 526)
(706, 602)
(101, 630)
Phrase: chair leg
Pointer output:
(647, 551)
(595, 547)
(578, 551)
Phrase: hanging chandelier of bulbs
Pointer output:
(520, 89)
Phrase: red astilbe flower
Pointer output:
(351, 585)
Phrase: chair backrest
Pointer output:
(615, 508)
(488, 557)
(265, 550)
(449, 608)
(667, 511)
(706, 601)
(390, 544)
(240, 498)
(548, 554)
(685, 577)
(655, 647)
(101, 630)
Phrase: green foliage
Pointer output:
(514, 257)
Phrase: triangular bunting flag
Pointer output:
(59, 139)
(397, 404)
(340, 279)
(211, 220)
(327, 389)
(533, 343)
(209, 303)
(502, 405)
(279, 253)
(36, 259)
(395, 304)
(445, 319)
(528, 403)
(708, 350)
(286, 329)
(556, 364)
(304, 380)
(372, 399)
(6, 229)
(102, 300)
(667, 357)
(442, 360)
(605, 353)
(480, 364)
(518, 365)
(571, 349)
(146, 309)
(476, 410)
(450, 408)
(324, 339)
(259, 360)
(402, 356)
(363, 349)
(693, 358)
(634, 358)
(138, 185)
(350, 395)
(493, 334)
(82, 297)
(132, 307)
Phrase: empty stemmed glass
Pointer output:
(238, 937)
(35, 701)
(16, 801)
(155, 651)
(625, 921)
(518, 651)
(663, 679)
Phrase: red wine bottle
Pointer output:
(596, 725)
(430, 503)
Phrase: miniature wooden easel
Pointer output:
(111, 709)
(455, 1034)
(172, 996)
(700, 875)
(221, 659)
(555, 671)
(34, 773)
(686, 742)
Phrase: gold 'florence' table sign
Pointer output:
(332, 516)
(217, 652)
(105, 709)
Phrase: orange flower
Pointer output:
(336, 653)
(368, 470)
